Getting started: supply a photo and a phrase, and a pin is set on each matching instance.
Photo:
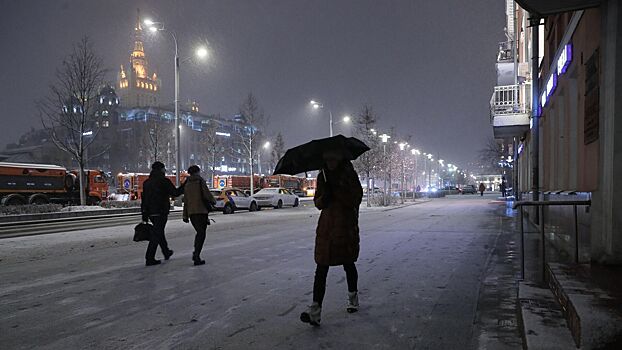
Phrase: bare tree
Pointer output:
(366, 164)
(68, 112)
(490, 155)
(156, 138)
(249, 131)
(213, 147)
(278, 150)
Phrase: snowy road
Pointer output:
(421, 269)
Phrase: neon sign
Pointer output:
(551, 84)
(564, 59)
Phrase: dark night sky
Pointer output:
(427, 67)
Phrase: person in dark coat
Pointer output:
(197, 198)
(155, 207)
(502, 188)
(482, 188)
(338, 196)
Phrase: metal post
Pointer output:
(535, 107)
(522, 244)
(177, 123)
(384, 157)
(415, 179)
(576, 235)
(330, 115)
(541, 207)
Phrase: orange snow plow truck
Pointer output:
(23, 183)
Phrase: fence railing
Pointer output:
(540, 207)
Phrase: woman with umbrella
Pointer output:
(338, 196)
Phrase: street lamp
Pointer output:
(201, 53)
(385, 138)
(318, 105)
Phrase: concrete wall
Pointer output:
(607, 216)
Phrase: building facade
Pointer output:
(570, 146)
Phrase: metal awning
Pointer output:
(551, 7)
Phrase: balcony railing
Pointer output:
(509, 114)
(506, 100)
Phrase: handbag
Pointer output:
(142, 232)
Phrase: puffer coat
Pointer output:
(338, 196)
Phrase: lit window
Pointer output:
(106, 123)
(105, 113)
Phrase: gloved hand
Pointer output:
(186, 220)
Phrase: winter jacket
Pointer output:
(338, 196)
(482, 188)
(196, 194)
(157, 193)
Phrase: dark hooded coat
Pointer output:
(338, 196)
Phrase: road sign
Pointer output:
(126, 184)
(221, 183)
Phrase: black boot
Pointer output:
(197, 260)
(152, 262)
(168, 254)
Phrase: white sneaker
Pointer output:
(312, 315)
(353, 302)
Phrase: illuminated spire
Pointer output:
(138, 55)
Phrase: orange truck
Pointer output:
(242, 182)
(131, 184)
(24, 183)
(285, 181)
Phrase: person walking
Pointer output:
(338, 196)
(155, 207)
(197, 203)
(502, 188)
(482, 188)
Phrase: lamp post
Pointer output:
(201, 53)
(402, 147)
(318, 105)
(265, 146)
(415, 152)
(385, 138)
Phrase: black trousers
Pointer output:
(157, 237)
(199, 222)
(319, 284)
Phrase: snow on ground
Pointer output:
(420, 274)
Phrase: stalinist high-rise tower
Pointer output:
(135, 86)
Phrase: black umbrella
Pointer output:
(308, 156)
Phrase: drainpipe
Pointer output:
(535, 107)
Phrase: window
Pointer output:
(106, 123)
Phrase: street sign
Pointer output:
(126, 184)
(221, 183)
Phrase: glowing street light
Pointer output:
(202, 52)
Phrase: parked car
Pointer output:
(231, 199)
(276, 197)
(468, 189)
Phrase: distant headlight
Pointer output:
(434, 189)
